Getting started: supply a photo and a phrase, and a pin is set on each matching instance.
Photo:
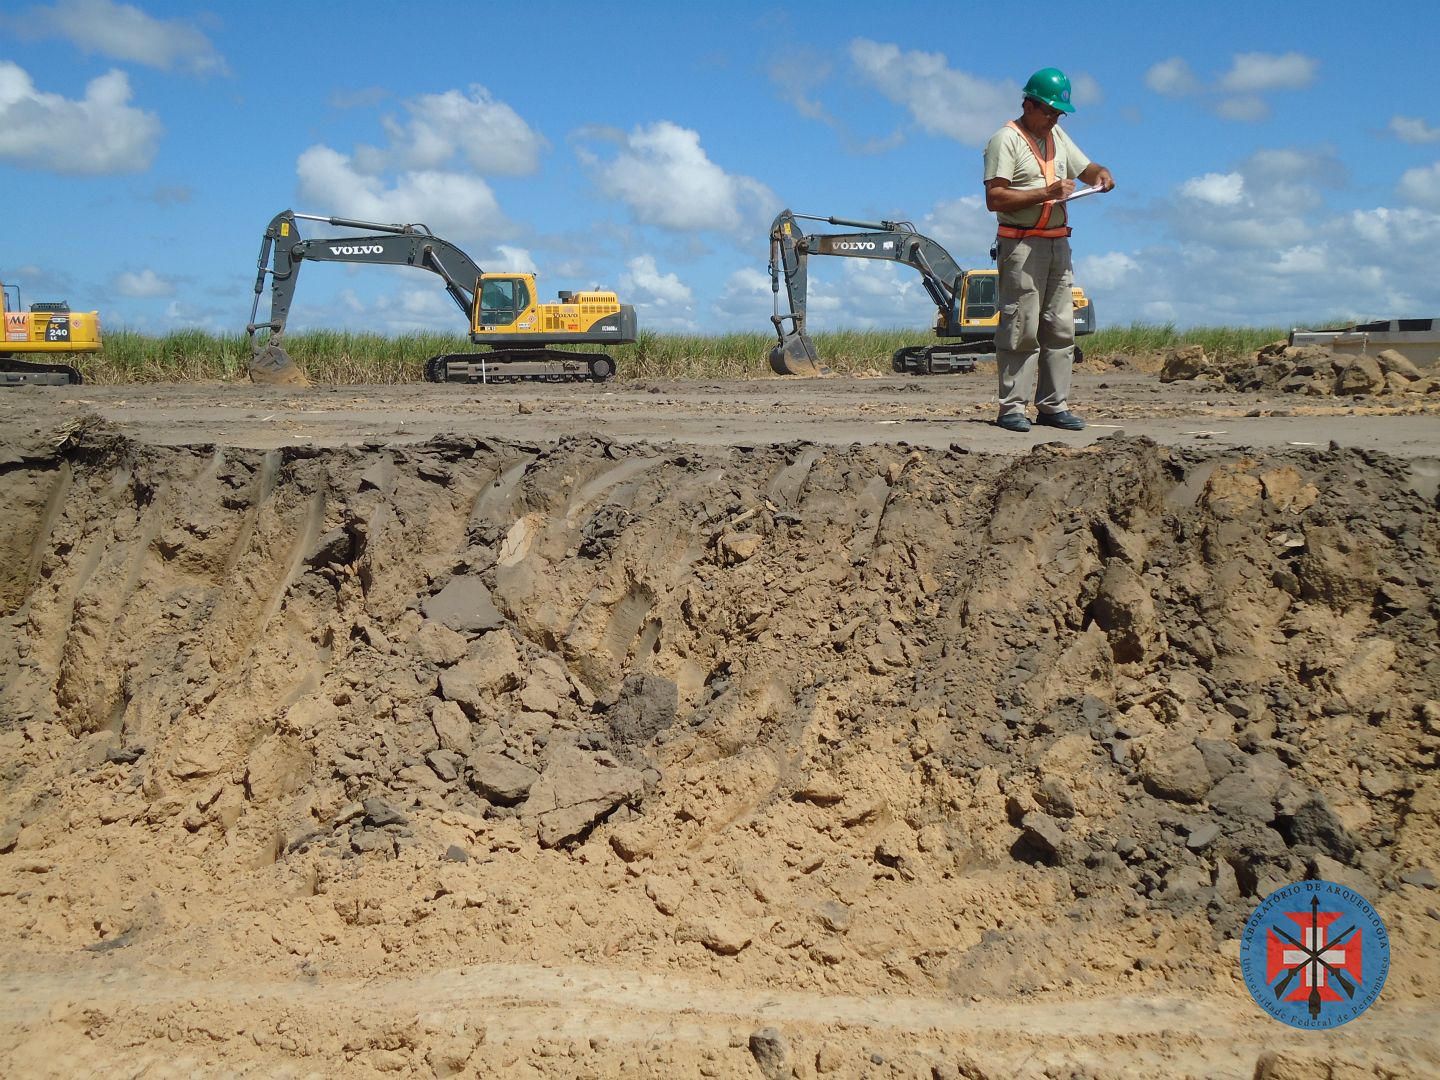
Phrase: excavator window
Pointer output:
(502, 300)
(980, 296)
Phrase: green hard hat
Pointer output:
(1049, 86)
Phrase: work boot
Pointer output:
(1013, 421)
(1067, 420)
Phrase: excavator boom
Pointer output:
(394, 245)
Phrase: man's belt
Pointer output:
(1017, 232)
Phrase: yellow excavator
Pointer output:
(506, 315)
(43, 329)
(967, 314)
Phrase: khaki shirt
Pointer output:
(1008, 157)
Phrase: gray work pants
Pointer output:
(1035, 344)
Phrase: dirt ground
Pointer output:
(752, 729)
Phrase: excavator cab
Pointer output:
(981, 305)
(502, 301)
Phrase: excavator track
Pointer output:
(947, 359)
(520, 365)
(23, 373)
(936, 359)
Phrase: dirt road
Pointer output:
(932, 412)
(759, 729)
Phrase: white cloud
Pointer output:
(1421, 186)
(664, 175)
(867, 293)
(662, 301)
(745, 299)
(867, 280)
(40, 282)
(1259, 246)
(427, 173)
(100, 134)
(1302, 259)
(488, 134)
(964, 227)
(416, 309)
(1290, 180)
(1412, 129)
(1085, 90)
(797, 74)
(1259, 207)
(454, 205)
(367, 97)
(1216, 189)
(1246, 109)
(1384, 227)
(403, 302)
(878, 144)
(644, 280)
(180, 313)
(515, 259)
(1282, 165)
(1172, 78)
(143, 284)
(1113, 270)
(1237, 94)
(942, 101)
(124, 32)
(1254, 73)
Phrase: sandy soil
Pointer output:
(755, 729)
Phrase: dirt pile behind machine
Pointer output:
(44, 329)
(967, 314)
(506, 316)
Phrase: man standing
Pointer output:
(1030, 170)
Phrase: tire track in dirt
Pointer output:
(522, 1003)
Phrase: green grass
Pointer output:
(337, 357)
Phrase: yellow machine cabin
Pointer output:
(509, 304)
(47, 328)
(979, 310)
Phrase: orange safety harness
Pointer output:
(1046, 162)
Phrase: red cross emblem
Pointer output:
(1317, 964)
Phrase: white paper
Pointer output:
(1082, 193)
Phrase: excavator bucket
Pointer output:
(796, 355)
(273, 365)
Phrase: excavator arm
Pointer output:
(894, 241)
(283, 252)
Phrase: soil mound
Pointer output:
(1311, 370)
(874, 721)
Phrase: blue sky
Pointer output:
(1276, 164)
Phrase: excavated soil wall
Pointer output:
(878, 722)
